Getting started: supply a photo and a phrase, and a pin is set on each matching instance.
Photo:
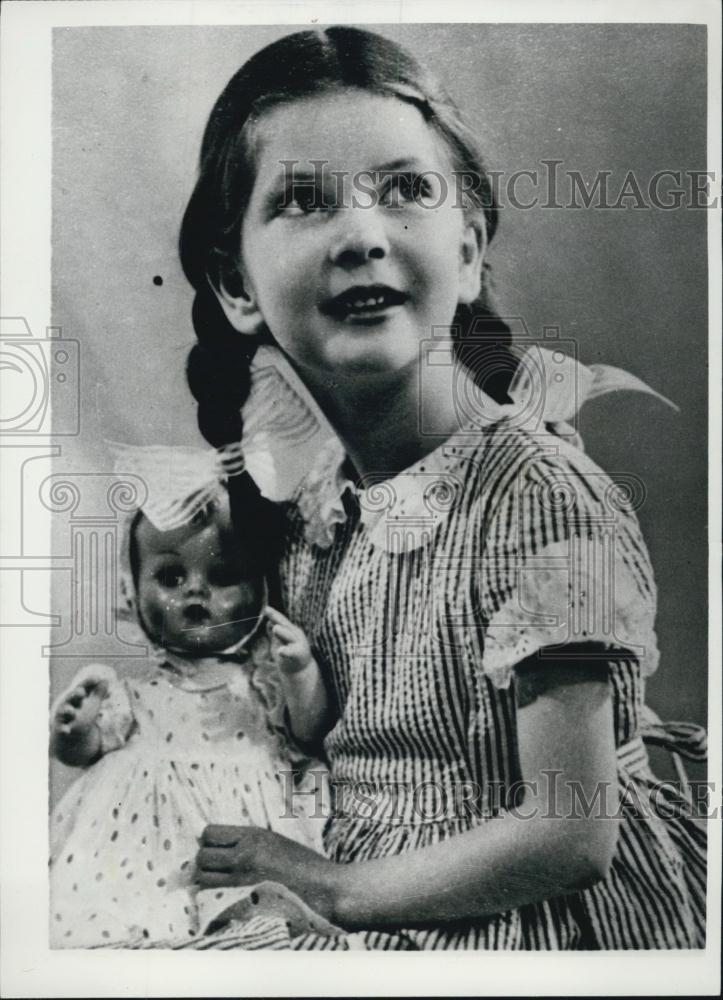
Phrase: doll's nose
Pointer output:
(362, 236)
(196, 585)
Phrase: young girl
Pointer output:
(200, 738)
(475, 590)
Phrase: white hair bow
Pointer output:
(562, 383)
(549, 387)
(178, 482)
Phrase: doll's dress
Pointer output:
(193, 743)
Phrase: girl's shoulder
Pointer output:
(549, 470)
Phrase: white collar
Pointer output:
(402, 513)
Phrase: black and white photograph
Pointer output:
(360, 443)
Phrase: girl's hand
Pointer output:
(77, 712)
(245, 855)
(289, 646)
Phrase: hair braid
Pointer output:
(218, 373)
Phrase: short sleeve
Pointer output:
(564, 563)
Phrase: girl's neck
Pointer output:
(389, 422)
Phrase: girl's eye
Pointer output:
(407, 187)
(303, 199)
(170, 576)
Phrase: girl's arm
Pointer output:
(544, 848)
(304, 690)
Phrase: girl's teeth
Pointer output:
(367, 303)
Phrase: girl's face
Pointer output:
(192, 592)
(350, 269)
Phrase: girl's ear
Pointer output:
(239, 306)
(472, 253)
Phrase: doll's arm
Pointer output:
(81, 727)
(304, 691)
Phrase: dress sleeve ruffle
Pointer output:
(115, 719)
(564, 564)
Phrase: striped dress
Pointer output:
(420, 594)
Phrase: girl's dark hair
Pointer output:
(300, 65)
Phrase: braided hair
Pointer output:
(299, 65)
(218, 373)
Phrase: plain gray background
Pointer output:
(628, 286)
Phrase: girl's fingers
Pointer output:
(290, 652)
(215, 859)
(218, 835)
(286, 632)
(277, 619)
(214, 880)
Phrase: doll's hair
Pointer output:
(300, 65)
(259, 552)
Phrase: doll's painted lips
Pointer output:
(363, 302)
(196, 614)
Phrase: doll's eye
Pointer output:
(224, 575)
(170, 576)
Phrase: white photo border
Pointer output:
(29, 968)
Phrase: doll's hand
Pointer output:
(245, 855)
(78, 709)
(289, 646)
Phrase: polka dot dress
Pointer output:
(124, 838)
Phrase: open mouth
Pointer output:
(196, 615)
(363, 302)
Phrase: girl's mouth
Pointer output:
(363, 302)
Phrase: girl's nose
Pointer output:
(362, 237)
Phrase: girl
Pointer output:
(201, 736)
(475, 590)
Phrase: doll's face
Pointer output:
(355, 285)
(193, 593)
